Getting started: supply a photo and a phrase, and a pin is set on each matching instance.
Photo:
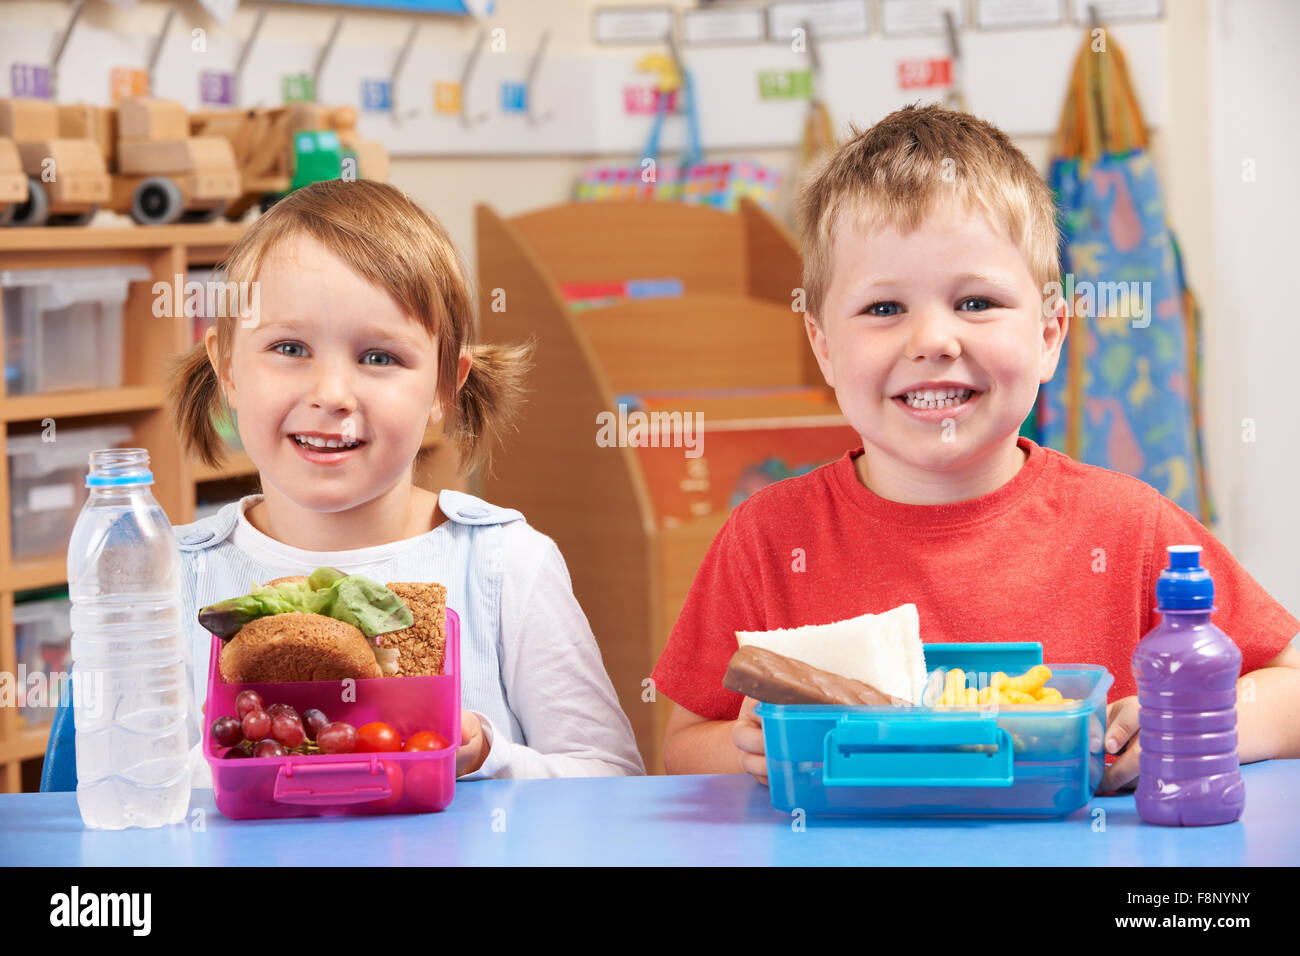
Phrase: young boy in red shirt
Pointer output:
(930, 244)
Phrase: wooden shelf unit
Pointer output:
(148, 340)
(733, 328)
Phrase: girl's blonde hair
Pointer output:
(391, 242)
(895, 172)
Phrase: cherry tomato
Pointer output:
(378, 737)
(426, 740)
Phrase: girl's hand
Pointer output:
(1121, 729)
(747, 735)
(474, 747)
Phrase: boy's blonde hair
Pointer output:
(894, 173)
(398, 247)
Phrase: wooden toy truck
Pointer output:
(284, 147)
(65, 175)
(13, 181)
(160, 173)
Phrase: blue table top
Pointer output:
(718, 820)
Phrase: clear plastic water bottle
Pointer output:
(1186, 671)
(131, 693)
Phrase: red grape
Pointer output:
(337, 738)
(256, 725)
(226, 731)
(269, 748)
(275, 710)
(314, 721)
(288, 730)
(248, 700)
(235, 753)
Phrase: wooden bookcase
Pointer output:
(732, 328)
(165, 251)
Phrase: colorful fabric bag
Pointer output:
(1127, 392)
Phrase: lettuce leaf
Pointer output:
(352, 598)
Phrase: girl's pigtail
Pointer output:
(193, 396)
(489, 401)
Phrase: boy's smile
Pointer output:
(935, 343)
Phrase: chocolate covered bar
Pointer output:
(776, 679)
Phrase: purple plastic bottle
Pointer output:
(1186, 671)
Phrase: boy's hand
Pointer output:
(747, 734)
(1121, 729)
(474, 747)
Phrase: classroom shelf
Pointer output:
(149, 340)
(62, 239)
(26, 574)
(128, 398)
(30, 743)
(237, 465)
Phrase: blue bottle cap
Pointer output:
(1185, 585)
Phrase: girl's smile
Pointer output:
(321, 450)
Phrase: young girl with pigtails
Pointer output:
(361, 338)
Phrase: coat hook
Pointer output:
(398, 65)
(814, 53)
(956, 98)
(155, 54)
(244, 51)
(533, 69)
(61, 44)
(324, 55)
(470, 64)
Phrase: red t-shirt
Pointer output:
(1064, 553)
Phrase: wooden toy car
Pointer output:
(372, 158)
(13, 181)
(65, 175)
(284, 147)
(160, 173)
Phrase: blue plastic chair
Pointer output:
(60, 769)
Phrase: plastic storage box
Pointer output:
(47, 485)
(63, 327)
(42, 639)
(1008, 760)
(358, 783)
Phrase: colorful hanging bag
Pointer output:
(1127, 392)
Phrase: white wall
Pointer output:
(1254, 331)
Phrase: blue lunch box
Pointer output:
(1002, 760)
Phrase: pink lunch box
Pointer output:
(358, 783)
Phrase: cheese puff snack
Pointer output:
(1026, 688)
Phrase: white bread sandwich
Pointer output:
(881, 650)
